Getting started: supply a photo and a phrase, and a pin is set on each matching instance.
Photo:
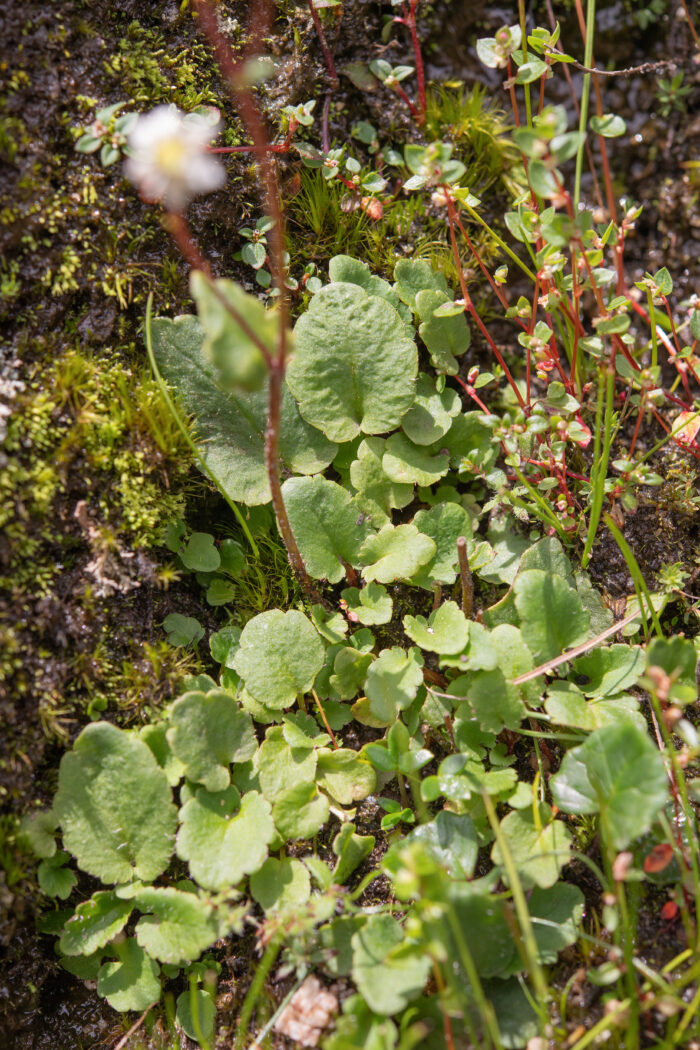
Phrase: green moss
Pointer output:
(92, 412)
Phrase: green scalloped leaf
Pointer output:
(551, 613)
(618, 772)
(115, 806)
(325, 524)
(412, 276)
(177, 926)
(208, 732)
(222, 842)
(407, 464)
(431, 415)
(445, 631)
(280, 885)
(445, 338)
(279, 655)
(354, 367)
(395, 553)
(377, 494)
(539, 847)
(345, 775)
(94, 923)
(393, 682)
(300, 811)
(130, 983)
(281, 767)
(388, 971)
(370, 605)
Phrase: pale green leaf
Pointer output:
(222, 842)
(208, 732)
(279, 656)
(324, 521)
(115, 806)
(395, 553)
(354, 367)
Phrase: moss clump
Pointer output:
(97, 419)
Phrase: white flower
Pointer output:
(168, 159)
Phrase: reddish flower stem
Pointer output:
(242, 95)
(327, 56)
(468, 300)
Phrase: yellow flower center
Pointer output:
(170, 156)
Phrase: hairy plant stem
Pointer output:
(234, 73)
(466, 578)
(327, 56)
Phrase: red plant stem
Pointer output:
(499, 291)
(513, 99)
(466, 579)
(473, 394)
(468, 301)
(244, 99)
(575, 295)
(404, 97)
(279, 147)
(420, 71)
(327, 56)
(640, 416)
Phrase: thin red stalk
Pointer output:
(639, 423)
(473, 394)
(468, 300)
(513, 99)
(499, 291)
(327, 56)
(404, 97)
(244, 99)
(420, 71)
(575, 296)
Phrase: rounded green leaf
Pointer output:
(395, 553)
(412, 276)
(130, 983)
(220, 842)
(279, 656)
(556, 915)
(444, 524)
(370, 605)
(354, 367)
(178, 926)
(388, 972)
(94, 923)
(551, 613)
(235, 354)
(230, 427)
(432, 412)
(196, 999)
(619, 772)
(610, 126)
(445, 338)
(610, 671)
(393, 681)
(567, 706)
(345, 775)
(539, 846)
(445, 631)
(281, 884)
(54, 879)
(377, 495)
(208, 732)
(115, 806)
(326, 525)
(452, 841)
(300, 811)
(200, 554)
(280, 766)
(407, 464)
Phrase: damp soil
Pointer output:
(81, 253)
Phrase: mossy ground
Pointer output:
(92, 467)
